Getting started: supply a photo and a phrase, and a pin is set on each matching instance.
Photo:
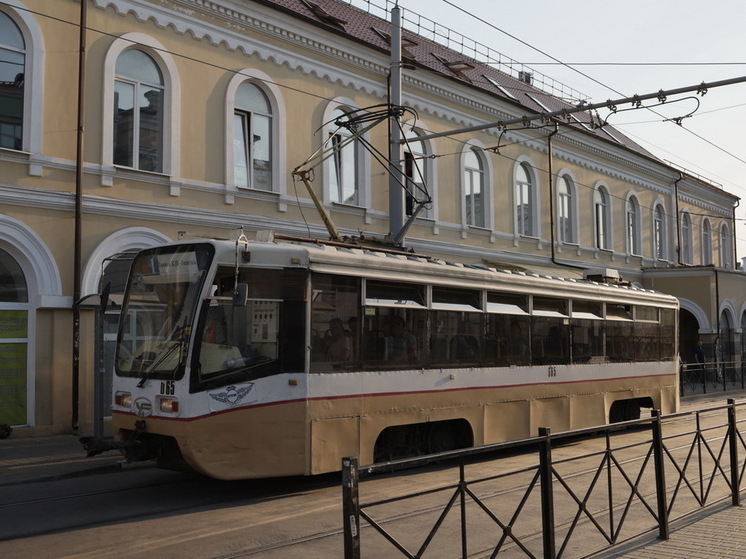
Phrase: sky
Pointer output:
(613, 50)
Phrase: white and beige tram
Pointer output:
(253, 359)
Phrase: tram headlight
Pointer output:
(168, 405)
(123, 400)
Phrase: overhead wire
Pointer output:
(330, 99)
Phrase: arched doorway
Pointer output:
(14, 329)
(688, 335)
(725, 345)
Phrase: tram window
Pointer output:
(506, 303)
(456, 338)
(647, 314)
(394, 338)
(619, 341)
(239, 343)
(587, 340)
(618, 311)
(647, 341)
(446, 298)
(550, 341)
(395, 294)
(549, 306)
(668, 334)
(507, 340)
(587, 309)
(335, 322)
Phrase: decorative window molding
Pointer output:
(171, 102)
(419, 167)
(33, 78)
(686, 238)
(602, 226)
(277, 166)
(567, 210)
(347, 173)
(632, 225)
(706, 242)
(525, 199)
(660, 233)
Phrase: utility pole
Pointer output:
(396, 177)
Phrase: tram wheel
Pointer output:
(624, 410)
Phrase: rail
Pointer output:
(695, 378)
(564, 505)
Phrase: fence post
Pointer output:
(547, 496)
(660, 475)
(350, 508)
(734, 469)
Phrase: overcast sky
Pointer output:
(618, 49)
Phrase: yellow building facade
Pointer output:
(195, 114)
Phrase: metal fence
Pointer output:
(637, 478)
(711, 377)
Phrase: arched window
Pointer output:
(686, 238)
(659, 233)
(706, 242)
(474, 188)
(602, 218)
(12, 81)
(252, 138)
(138, 112)
(525, 200)
(14, 318)
(343, 172)
(633, 225)
(726, 247)
(415, 169)
(566, 209)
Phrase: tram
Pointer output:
(263, 358)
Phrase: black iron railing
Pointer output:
(645, 474)
(715, 376)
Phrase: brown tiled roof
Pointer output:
(360, 26)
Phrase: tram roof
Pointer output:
(391, 265)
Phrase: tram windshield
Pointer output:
(162, 295)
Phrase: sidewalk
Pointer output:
(717, 531)
(25, 460)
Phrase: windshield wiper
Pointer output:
(150, 372)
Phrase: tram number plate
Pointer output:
(168, 387)
(551, 371)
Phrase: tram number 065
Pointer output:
(168, 387)
(551, 371)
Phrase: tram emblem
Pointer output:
(143, 407)
(232, 396)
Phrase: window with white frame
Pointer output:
(252, 138)
(686, 238)
(706, 242)
(415, 169)
(566, 209)
(343, 175)
(659, 233)
(633, 225)
(525, 199)
(12, 82)
(138, 112)
(602, 218)
(726, 247)
(474, 184)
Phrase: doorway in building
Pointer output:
(14, 327)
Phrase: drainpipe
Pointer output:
(735, 249)
(678, 219)
(78, 218)
(551, 193)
